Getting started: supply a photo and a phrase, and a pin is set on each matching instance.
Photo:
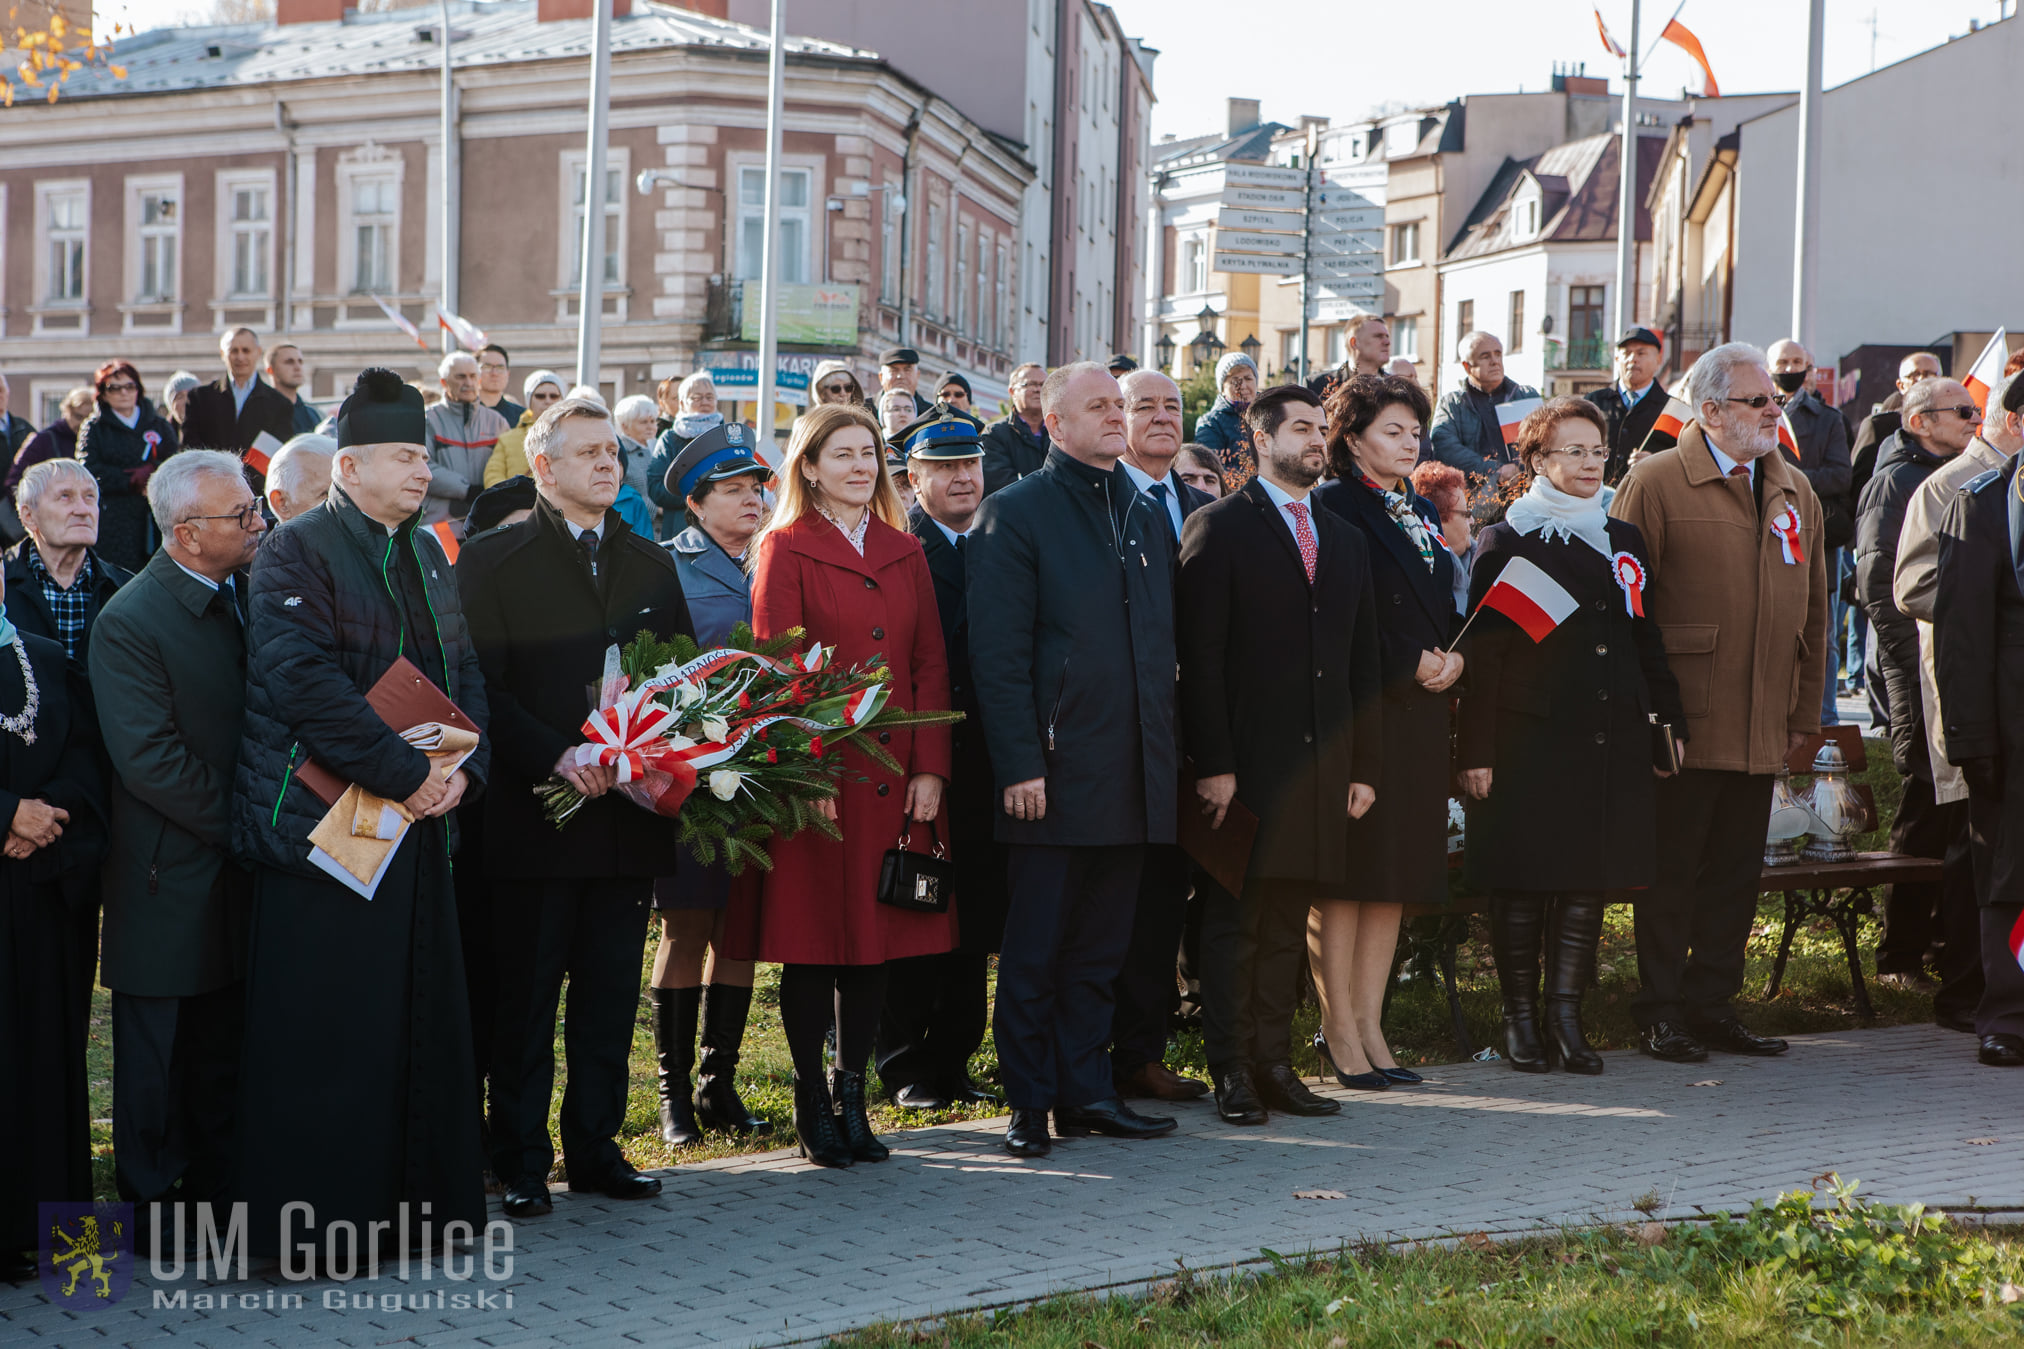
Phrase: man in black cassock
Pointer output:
(358, 1086)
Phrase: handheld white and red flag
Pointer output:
(1510, 414)
(1788, 439)
(1630, 574)
(1674, 415)
(1988, 369)
(468, 334)
(1609, 44)
(1785, 525)
(400, 320)
(1680, 36)
(2017, 941)
(1526, 595)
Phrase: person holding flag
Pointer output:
(1737, 582)
(1467, 431)
(1631, 406)
(1566, 666)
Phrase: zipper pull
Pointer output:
(154, 878)
(1050, 735)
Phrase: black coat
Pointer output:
(212, 421)
(1876, 428)
(1011, 452)
(1563, 725)
(1279, 677)
(335, 600)
(1072, 580)
(29, 608)
(1978, 650)
(109, 447)
(1630, 429)
(541, 624)
(1902, 468)
(1404, 837)
(1822, 437)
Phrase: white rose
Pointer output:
(679, 741)
(715, 728)
(686, 693)
(724, 783)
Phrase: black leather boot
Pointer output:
(675, 1011)
(820, 1140)
(1515, 920)
(717, 1105)
(1570, 966)
(848, 1090)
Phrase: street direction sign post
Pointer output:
(1264, 175)
(1242, 241)
(1258, 262)
(1241, 218)
(1328, 266)
(1266, 198)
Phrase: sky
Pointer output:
(1342, 58)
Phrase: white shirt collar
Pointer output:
(1144, 482)
(1280, 496)
(1139, 477)
(1635, 395)
(1724, 462)
(196, 575)
(947, 533)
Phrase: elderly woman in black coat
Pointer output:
(1560, 727)
(122, 445)
(1400, 848)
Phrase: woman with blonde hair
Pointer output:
(836, 559)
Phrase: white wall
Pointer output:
(1489, 282)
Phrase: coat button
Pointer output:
(1602, 695)
(870, 584)
(885, 737)
(1600, 606)
(885, 789)
(611, 632)
(1309, 737)
(1601, 649)
(1317, 674)
(1601, 738)
(878, 634)
(1398, 599)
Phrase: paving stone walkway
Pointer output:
(767, 1250)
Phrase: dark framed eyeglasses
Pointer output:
(245, 515)
(1759, 402)
(121, 386)
(1967, 412)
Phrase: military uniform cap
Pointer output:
(942, 434)
(721, 452)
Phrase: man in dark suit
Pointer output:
(1075, 679)
(545, 598)
(1632, 404)
(1145, 989)
(168, 666)
(57, 584)
(230, 413)
(936, 1006)
(1280, 692)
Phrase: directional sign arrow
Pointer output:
(1240, 241)
(1256, 262)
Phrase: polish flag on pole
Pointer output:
(1672, 417)
(1988, 369)
(1509, 415)
(1608, 43)
(400, 320)
(1788, 440)
(2017, 941)
(1527, 596)
(1678, 34)
(469, 336)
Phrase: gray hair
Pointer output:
(180, 382)
(37, 480)
(225, 338)
(173, 490)
(448, 365)
(548, 425)
(1711, 377)
(1469, 339)
(700, 377)
(1925, 395)
(291, 459)
(1995, 411)
(1056, 386)
(635, 407)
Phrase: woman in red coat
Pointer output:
(836, 559)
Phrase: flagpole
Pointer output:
(1805, 264)
(590, 283)
(769, 251)
(449, 184)
(1626, 206)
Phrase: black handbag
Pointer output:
(917, 882)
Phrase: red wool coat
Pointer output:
(819, 904)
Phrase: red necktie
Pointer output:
(1740, 471)
(1303, 534)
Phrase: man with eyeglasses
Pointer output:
(495, 374)
(1738, 585)
(1465, 432)
(1016, 444)
(1885, 418)
(1940, 421)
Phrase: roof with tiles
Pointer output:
(1577, 187)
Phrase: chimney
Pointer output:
(310, 11)
(552, 11)
(1243, 115)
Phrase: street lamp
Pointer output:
(1165, 348)
(1251, 346)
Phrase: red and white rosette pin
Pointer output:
(1785, 525)
(1630, 574)
(152, 440)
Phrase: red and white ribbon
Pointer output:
(152, 440)
(1630, 574)
(630, 735)
(1785, 525)
(710, 662)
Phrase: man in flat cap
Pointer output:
(1631, 405)
(358, 1039)
(900, 368)
(935, 1009)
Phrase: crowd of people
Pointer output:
(1288, 628)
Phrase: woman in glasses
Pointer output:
(834, 383)
(122, 445)
(1562, 724)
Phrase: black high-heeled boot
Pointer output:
(848, 1090)
(819, 1138)
(1570, 967)
(1515, 920)
(675, 1012)
(718, 1106)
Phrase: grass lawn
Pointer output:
(1816, 996)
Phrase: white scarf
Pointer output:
(689, 425)
(1548, 511)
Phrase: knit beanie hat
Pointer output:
(1231, 360)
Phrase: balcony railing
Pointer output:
(1588, 353)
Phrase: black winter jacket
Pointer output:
(335, 601)
(1902, 466)
(109, 447)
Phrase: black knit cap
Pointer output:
(382, 409)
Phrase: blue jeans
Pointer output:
(1829, 716)
(1858, 629)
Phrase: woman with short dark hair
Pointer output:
(122, 445)
(1557, 745)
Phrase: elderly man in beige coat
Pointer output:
(1915, 587)
(1738, 584)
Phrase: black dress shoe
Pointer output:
(1026, 1135)
(920, 1096)
(969, 1092)
(621, 1182)
(1733, 1037)
(1237, 1099)
(527, 1199)
(1283, 1091)
(1112, 1118)
(2002, 1051)
(1669, 1041)
(1404, 1077)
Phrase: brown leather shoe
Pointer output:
(1161, 1083)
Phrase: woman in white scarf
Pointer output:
(697, 398)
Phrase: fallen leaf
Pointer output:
(1478, 1241)
(1980, 1142)
(1319, 1194)
(1711, 1082)
(1651, 1234)
(2009, 1292)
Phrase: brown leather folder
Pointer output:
(403, 697)
(1223, 852)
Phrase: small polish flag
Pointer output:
(262, 451)
(2017, 940)
(1787, 438)
(400, 320)
(1987, 372)
(469, 336)
(1609, 43)
(1509, 415)
(1672, 417)
(1526, 595)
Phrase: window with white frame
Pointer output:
(617, 169)
(1195, 266)
(889, 245)
(980, 324)
(1289, 348)
(155, 211)
(1007, 314)
(962, 314)
(1406, 338)
(1405, 242)
(937, 283)
(790, 215)
(66, 217)
(249, 231)
(375, 216)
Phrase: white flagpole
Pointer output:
(590, 285)
(769, 253)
